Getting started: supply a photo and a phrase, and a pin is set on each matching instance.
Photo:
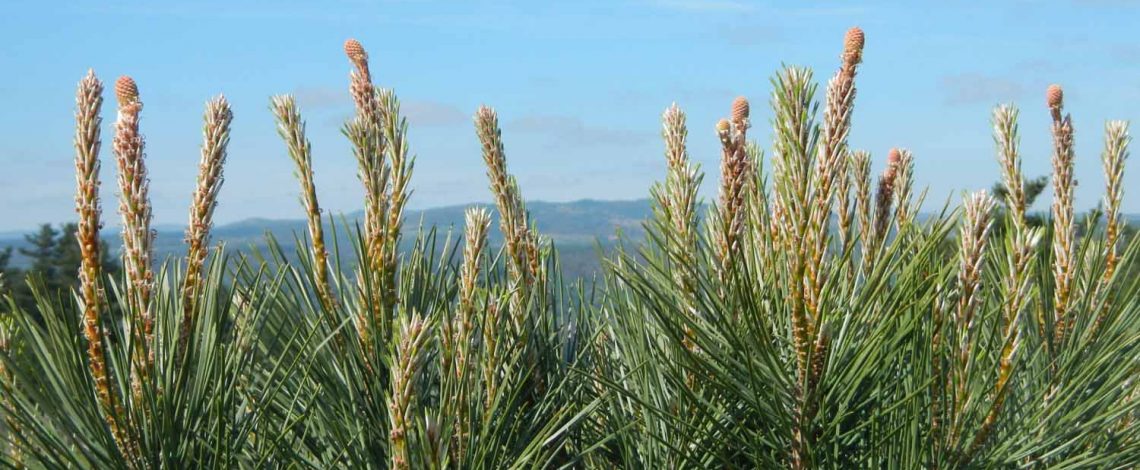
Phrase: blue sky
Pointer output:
(579, 86)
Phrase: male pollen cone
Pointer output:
(354, 50)
(739, 109)
(1054, 96)
(126, 90)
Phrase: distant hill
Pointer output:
(577, 229)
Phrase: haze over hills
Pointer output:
(577, 228)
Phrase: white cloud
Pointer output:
(569, 131)
(321, 97)
(972, 88)
(705, 5)
(433, 113)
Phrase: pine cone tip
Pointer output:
(740, 109)
(126, 90)
(894, 157)
(1054, 96)
(853, 42)
(354, 50)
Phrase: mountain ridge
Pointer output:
(578, 228)
(575, 227)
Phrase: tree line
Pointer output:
(54, 264)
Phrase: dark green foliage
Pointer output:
(43, 253)
(1033, 189)
(51, 257)
(750, 337)
(215, 405)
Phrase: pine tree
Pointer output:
(42, 252)
(6, 272)
(66, 257)
(54, 260)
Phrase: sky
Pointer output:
(580, 87)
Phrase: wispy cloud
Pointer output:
(433, 113)
(420, 113)
(1129, 53)
(321, 97)
(679, 93)
(972, 88)
(740, 6)
(751, 34)
(845, 10)
(705, 5)
(569, 131)
(1037, 66)
(1108, 3)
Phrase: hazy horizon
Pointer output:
(579, 88)
(112, 225)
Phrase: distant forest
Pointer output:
(580, 230)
